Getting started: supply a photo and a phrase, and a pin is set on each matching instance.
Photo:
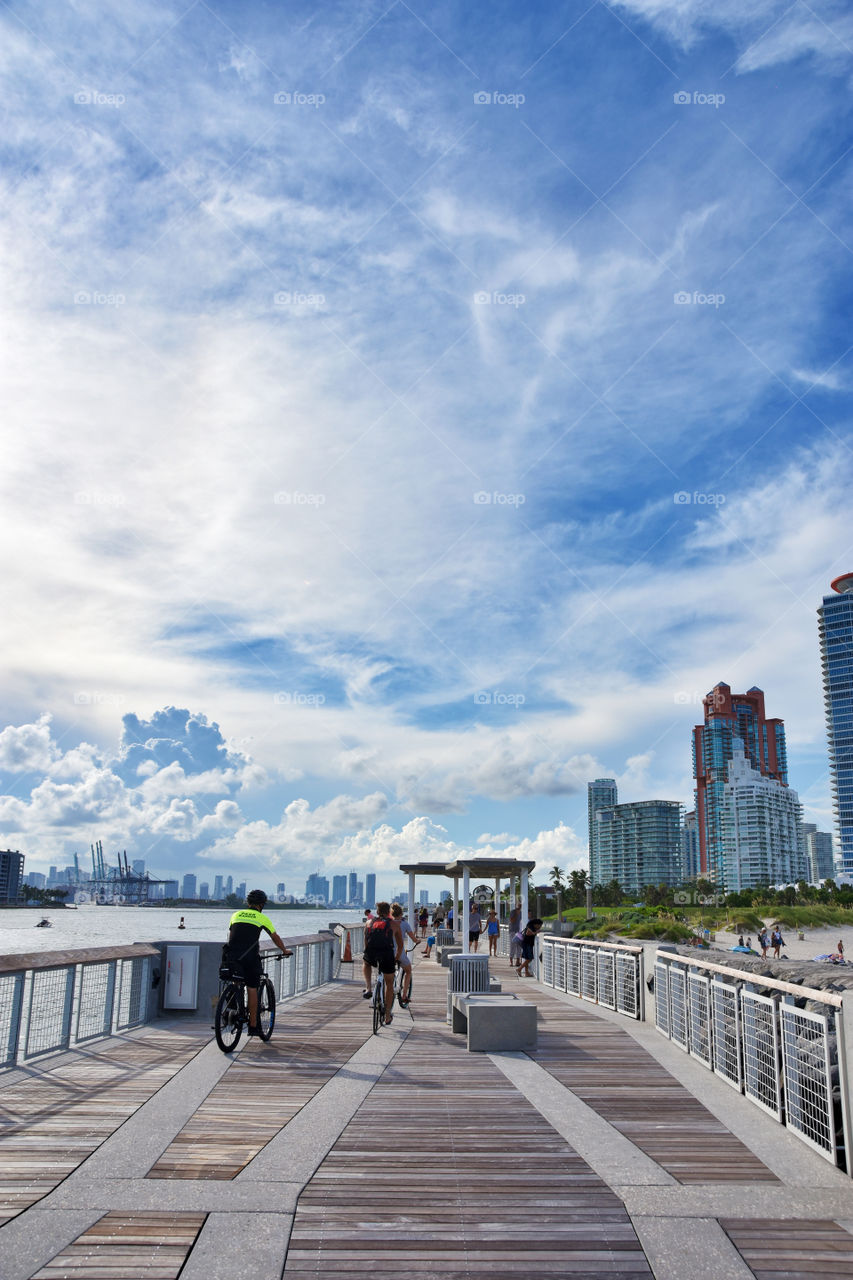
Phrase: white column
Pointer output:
(524, 895)
(498, 897)
(412, 899)
(455, 906)
(466, 893)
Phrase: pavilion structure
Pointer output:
(492, 868)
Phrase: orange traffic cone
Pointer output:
(347, 958)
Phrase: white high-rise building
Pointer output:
(819, 852)
(761, 826)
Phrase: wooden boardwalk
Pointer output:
(330, 1152)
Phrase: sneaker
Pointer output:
(365, 995)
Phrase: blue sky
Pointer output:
(438, 401)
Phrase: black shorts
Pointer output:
(473, 935)
(385, 960)
(249, 969)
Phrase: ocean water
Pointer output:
(92, 926)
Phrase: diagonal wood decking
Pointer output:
(442, 1164)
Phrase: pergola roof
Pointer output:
(491, 867)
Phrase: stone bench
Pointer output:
(443, 954)
(495, 1022)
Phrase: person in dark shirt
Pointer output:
(528, 944)
(244, 952)
(383, 946)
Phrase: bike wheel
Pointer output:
(378, 1005)
(404, 1004)
(228, 1023)
(266, 1008)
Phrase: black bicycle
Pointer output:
(232, 1012)
(401, 982)
(378, 1002)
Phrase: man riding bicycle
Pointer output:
(243, 948)
(383, 943)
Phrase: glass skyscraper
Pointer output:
(731, 719)
(639, 844)
(835, 622)
(601, 794)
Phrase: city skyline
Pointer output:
(420, 435)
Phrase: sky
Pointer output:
(410, 413)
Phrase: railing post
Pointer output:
(844, 1041)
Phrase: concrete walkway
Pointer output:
(331, 1150)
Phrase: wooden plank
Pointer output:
(139, 1246)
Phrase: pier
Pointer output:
(330, 1151)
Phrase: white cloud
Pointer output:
(27, 748)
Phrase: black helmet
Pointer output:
(257, 898)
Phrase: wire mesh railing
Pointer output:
(757, 1035)
(607, 974)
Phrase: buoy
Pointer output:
(347, 950)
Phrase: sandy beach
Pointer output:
(817, 940)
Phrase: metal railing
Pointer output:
(51, 1006)
(610, 974)
(54, 1002)
(752, 1032)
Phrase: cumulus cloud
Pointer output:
(28, 748)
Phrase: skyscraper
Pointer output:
(761, 829)
(339, 890)
(690, 846)
(639, 844)
(601, 794)
(370, 890)
(835, 624)
(188, 888)
(204, 891)
(11, 874)
(353, 887)
(317, 886)
(730, 718)
(819, 853)
(217, 887)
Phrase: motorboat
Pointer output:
(44, 923)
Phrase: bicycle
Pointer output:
(401, 975)
(378, 1002)
(232, 1013)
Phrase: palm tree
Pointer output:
(557, 880)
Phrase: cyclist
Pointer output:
(402, 959)
(383, 943)
(243, 948)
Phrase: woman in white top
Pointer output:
(403, 960)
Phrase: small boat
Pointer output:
(44, 923)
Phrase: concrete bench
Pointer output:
(443, 954)
(495, 1022)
